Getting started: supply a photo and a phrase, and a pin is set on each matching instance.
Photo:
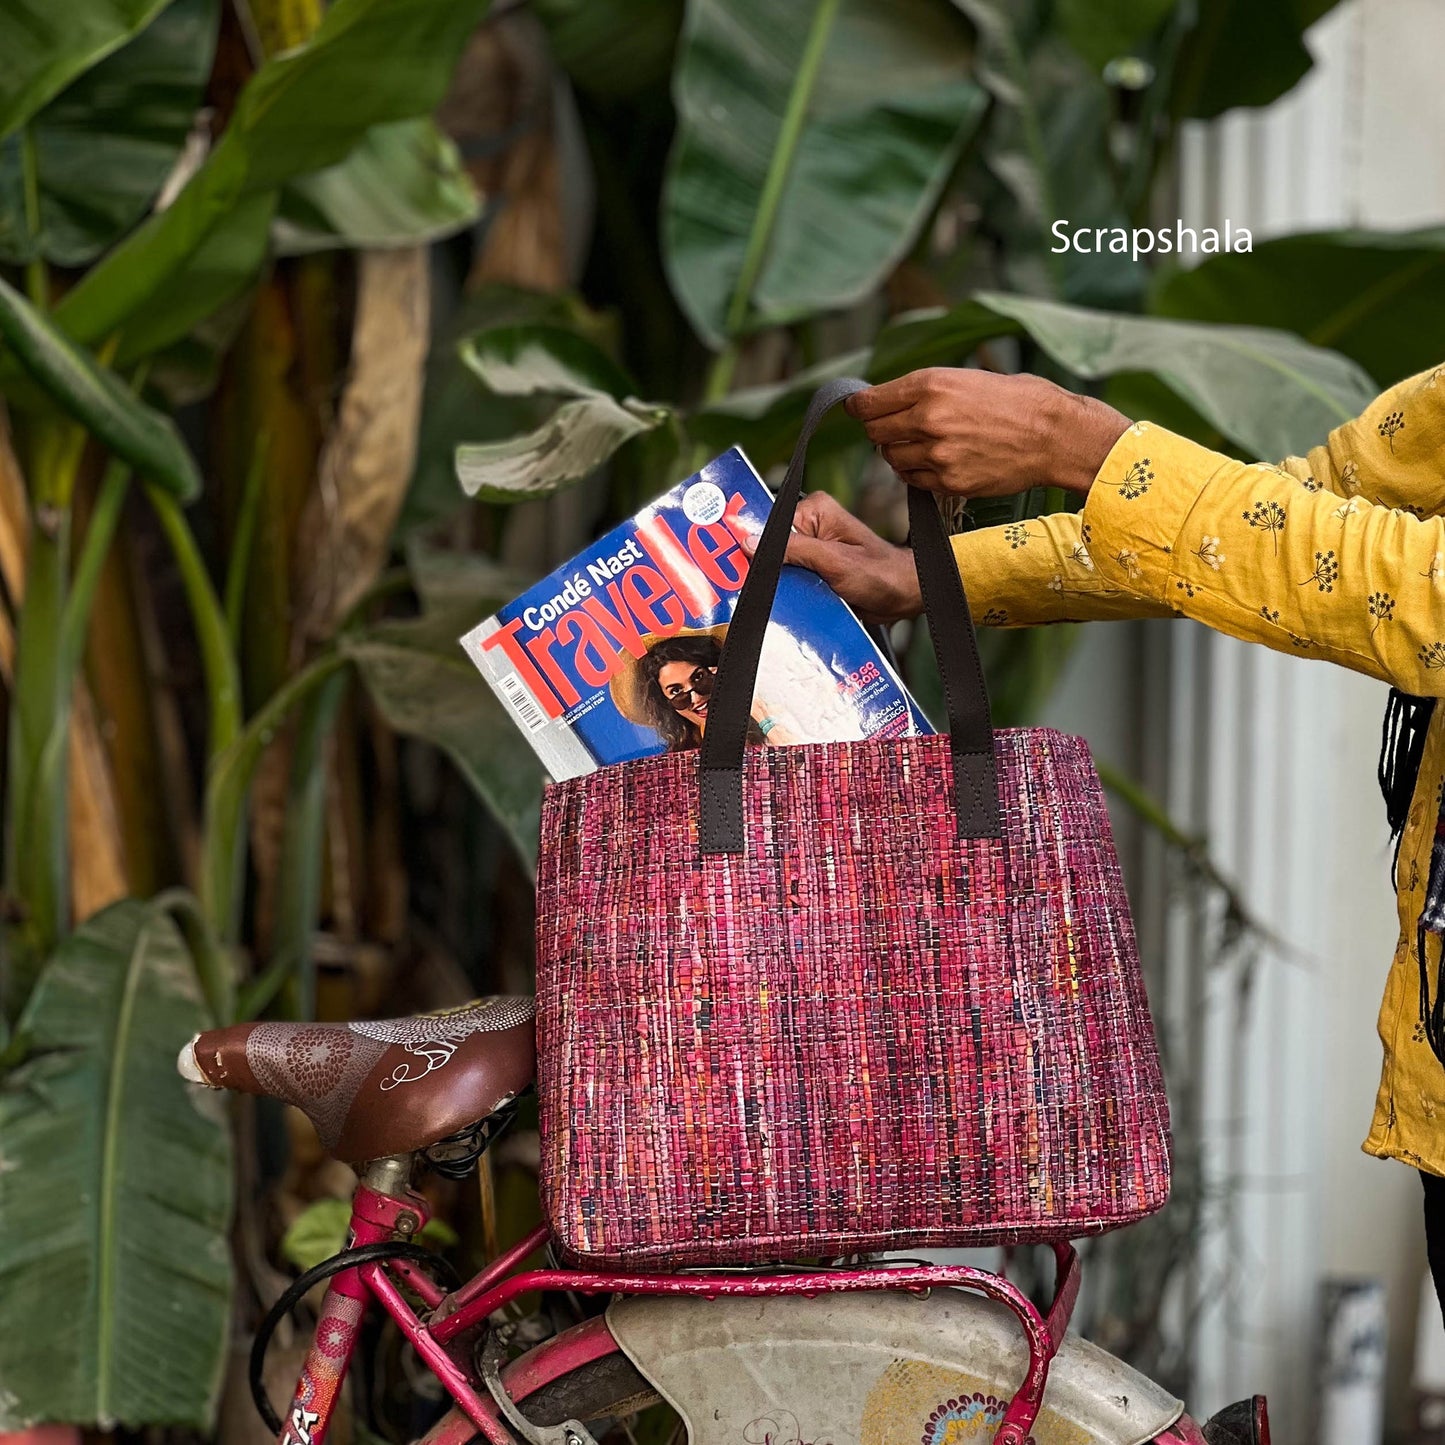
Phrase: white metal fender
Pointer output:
(873, 1369)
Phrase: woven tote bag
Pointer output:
(825, 999)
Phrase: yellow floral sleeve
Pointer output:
(1392, 453)
(1041, 571)
(1269, 554)
(1045, 570)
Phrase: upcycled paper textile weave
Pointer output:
(862, 1033)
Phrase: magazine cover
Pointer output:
(613, 655)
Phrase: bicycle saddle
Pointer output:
(387, 1086)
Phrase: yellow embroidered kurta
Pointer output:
(1339, 555)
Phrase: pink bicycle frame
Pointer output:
(443, 1339)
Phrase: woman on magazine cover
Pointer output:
(670, 687)
(1338, 555)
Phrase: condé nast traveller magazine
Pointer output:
(614, 655)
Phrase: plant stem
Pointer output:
(229, 783)
(99, 533)
(1157, 124)
(239, 564)
(218, 657)
(303, 839)
(258, 993)
(222, 846)
(36, 853)
(36, 870)
(718, 384)
(790, 133)
(37, 284)
(720, 373)
(213, 968)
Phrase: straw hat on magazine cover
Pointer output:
(637, 690)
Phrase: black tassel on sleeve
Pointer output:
(1402, 747)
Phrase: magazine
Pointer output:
(613, 656)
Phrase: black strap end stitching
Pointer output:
(720, 821)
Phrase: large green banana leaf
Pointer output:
(455, 411)
(812, 142)
(102, 149)
(464, 586)
(93, 395)
(592, 414)
(426, 687)
(403, 185)
(1269, 392)
(1376, 296)
(115, 1191)
(44, 45)
(1243, 52)
(221, 269)
(369, 62)
(764, 419)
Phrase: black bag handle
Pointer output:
(954, 644)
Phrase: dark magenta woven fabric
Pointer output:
(861, 1034)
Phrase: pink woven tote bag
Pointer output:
(820, 1000)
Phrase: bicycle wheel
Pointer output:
(606, 1388)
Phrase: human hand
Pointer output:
(970, 433)
(875, 578)
(774, 733)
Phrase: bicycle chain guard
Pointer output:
(489, 1363)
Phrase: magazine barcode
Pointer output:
(523, 703)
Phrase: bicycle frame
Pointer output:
(445, 1337)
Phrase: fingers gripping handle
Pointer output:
(955, 646)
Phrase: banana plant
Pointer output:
(1375, 296)
(97, 154)
(302, 114)
(370, 62)
(89, 1103)
(44, 51)
(116, 1190)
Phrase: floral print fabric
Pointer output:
(1339, 555)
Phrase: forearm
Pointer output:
(1038, 571)
(1263, 554)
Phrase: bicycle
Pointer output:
(876, 1353)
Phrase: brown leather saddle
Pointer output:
(385, 1086)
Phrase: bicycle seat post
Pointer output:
(390, 1176)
